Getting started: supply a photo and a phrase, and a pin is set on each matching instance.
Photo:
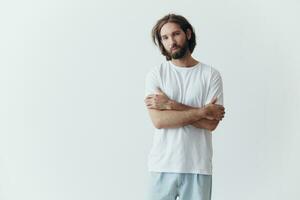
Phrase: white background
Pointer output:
(73, 124)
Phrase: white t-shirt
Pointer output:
(186, 149)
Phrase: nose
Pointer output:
(172, 42)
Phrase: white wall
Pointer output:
(73, 121)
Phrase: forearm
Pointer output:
(166, 113)
(174, 105)
(210, 125)
(175, 118)
(201, 123)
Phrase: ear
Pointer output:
(188, 34)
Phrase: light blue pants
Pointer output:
(186, 186)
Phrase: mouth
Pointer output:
(174, 48)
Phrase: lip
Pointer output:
(174, 48)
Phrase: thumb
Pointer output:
(159, 91)
(214, 100)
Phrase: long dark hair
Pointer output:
(184, 25)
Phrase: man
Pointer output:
(184, 98)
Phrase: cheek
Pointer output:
(165, 44)
(181, 40)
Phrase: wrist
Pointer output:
(171, 105)
(202, 112)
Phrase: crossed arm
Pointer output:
(200, 123)
(167, 113)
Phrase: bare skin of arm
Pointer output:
(204, 123)
(159, 103)
(175, 118)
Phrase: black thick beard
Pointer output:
(181, 52)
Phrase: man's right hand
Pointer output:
(214, 111)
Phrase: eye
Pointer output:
(164, 38)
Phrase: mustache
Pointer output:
(175, 45)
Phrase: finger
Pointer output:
(221, 116)
(147, 100)
(214, 100)
(218, 106)
(150, 100)
(221, 106)
(150, 96)
(151, 106)
(158, 91)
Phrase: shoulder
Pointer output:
(209, 70)
(157, 70)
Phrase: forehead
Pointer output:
(169, 28)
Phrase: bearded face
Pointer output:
(178, 52)
(174, 40)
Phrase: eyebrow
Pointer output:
(171, 33)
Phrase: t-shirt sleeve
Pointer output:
(215, 88)
(151, 83)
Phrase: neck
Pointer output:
(187, 61)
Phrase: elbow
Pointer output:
(157, 124)
(157, 119)
(158, 127)
(212, 128)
